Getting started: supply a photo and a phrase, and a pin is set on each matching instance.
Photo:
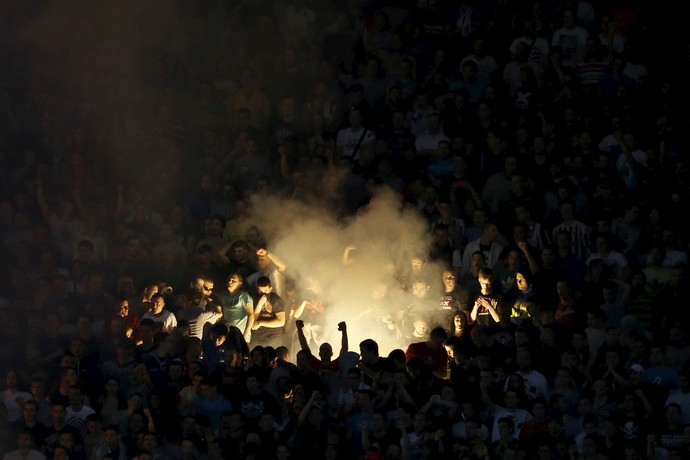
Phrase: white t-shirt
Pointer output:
(346, 141)
(166, 317)
(614, 261)
(572, 41)
(519, 416)
(14, 410)
(77, 419)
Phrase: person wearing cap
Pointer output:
(658, 371)
(636, 375)
(655, 392)
(637, 368)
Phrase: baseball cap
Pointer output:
(637, 368)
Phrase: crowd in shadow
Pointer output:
(163, 167)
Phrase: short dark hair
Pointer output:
(219, 329)
(156, 296)
(305, 352)
(439, 332)
(370, 344)
(263, 281)
(397, 354)
(239, 244)
(282, 351)
(112, 427)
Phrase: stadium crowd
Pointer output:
(181, 189)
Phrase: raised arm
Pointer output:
(346, 258)
(223, 254)
(316, 396)
(42, 202)
(299, 310)
(274, 258)
(531, 261)
(344, 344)
(299, 325)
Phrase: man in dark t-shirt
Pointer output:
(269, 315)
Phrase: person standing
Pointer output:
(24, 450)
(237, 305)
(13, 397)
(77, 411)
(453, 300)
(312, 313)
(158, 314)
(432, 352)
(112, 445)
(488, 243)
(571, 38)
(269, 315)
(485, 309)
(351, 140)
(329, 369)
(579, 232)
(271, 266)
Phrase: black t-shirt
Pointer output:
(310, 380)
(632, 428)
(268, 335)
(383, 364)
(252, 406)
(483, 314)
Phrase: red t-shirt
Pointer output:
(435, 358)
(327, 371)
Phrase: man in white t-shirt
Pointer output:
(77, 411)
(347, 141)
(615, 262)
(13, 397)
(571, 38)
(159, 314)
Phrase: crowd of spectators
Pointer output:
(147, 314)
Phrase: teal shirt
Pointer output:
(234, 308)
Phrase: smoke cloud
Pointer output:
(104, 65)
(385, 235)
